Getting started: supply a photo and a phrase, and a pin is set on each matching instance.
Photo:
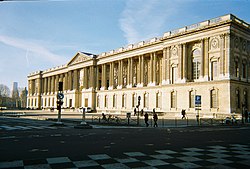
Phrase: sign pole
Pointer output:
(198, 107)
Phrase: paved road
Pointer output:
(37, 144)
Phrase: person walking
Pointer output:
(146, 119)
(135, 111)
(183, 112)
(155, 117)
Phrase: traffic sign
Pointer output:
(197, 100)
(60, 96)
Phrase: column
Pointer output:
(75, 87)
(139, 72)
(206, 59)
(184, 75)
(222, 54)
(111, 76)
(151, 68)
(103, 77)
(56, 83)
(168, 65)
(49, 84)
(227, 57)
(164, 53)
(52, 84)
(142, 70)
(131, 71)
(69, 80)
(180, 60)
(65, 82)
(154, 69)
(45, 86)
(128, 73)
(119, 74)
(202, 59)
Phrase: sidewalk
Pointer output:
(116, 119)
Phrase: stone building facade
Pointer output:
(210, 59)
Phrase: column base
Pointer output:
(110, 88)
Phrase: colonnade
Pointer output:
(172, 64)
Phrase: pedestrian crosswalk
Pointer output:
(10, 128)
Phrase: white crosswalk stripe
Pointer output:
(10, 128)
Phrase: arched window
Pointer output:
(196, 63)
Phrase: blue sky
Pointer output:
(40, 34)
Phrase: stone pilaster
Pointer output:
(142, 70)
(168, 68)
(75, 80)
(227, 55)
(222, 55)
(131, 71)
(206, 60)
(184, 70)
(49, 84)
(202, 59)
(52, 84)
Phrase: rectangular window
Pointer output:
(106, 101)
(174, 74)
(115, 101)
(244, 70)
(98, 101)
(214, 103)
(173, 100)
(191, 99)
(124, 101)
(237, 73)
(214, 70)
(134, 100)
(196, 69)
(238, 99)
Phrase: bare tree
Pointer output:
(4, 91)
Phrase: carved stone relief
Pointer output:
(214, 43)
(174, 51)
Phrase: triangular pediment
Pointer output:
(80, 57)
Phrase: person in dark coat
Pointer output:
(155, 117)
(146, 119)
(134, 111)
(183, 112)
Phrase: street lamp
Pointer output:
(139, 100)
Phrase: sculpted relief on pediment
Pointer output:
(79, 58)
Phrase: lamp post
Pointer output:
(139, 100)
(242, 113)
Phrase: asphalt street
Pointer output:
(27, 140)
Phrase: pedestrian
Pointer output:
(183, 112)
(155, 117)
(134, 111)
(146, 119)
(141, 112)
